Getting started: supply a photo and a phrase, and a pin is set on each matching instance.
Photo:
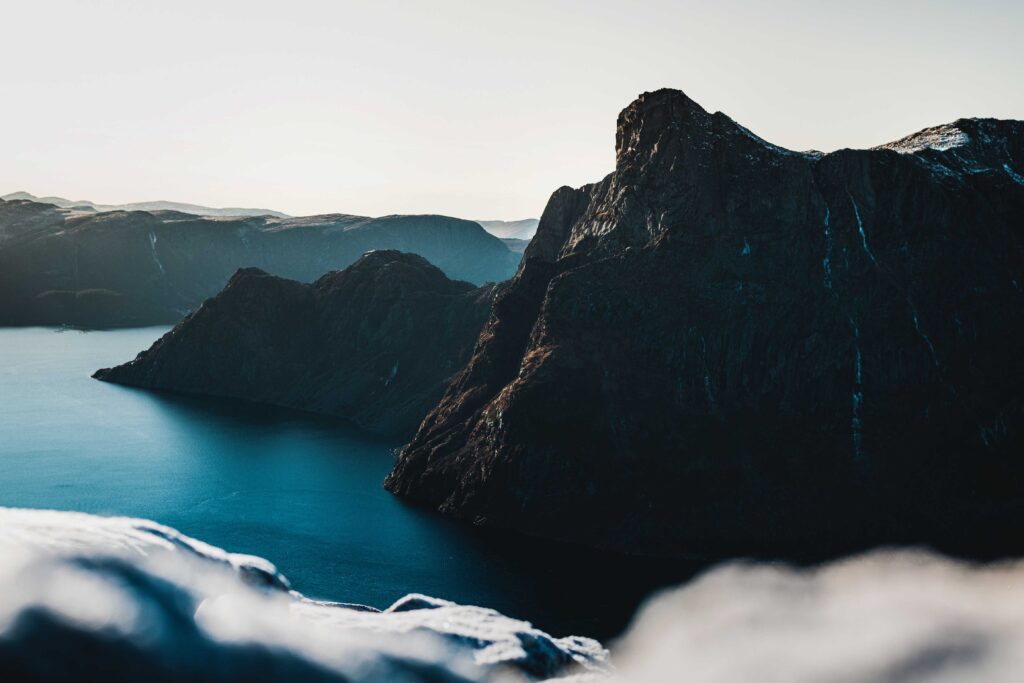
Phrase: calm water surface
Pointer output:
(302, 491)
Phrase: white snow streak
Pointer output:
(152, 249)
(860, 228)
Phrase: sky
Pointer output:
(470, 108)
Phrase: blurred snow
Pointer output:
(894, 617)
(87, 598)
(95, 598)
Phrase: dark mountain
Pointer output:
(728, 345)
(181, 207)
(63, 266)
(374, 343)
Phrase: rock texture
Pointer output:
(729, 345)
(125, 268)
(374, 343)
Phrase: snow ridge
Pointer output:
(134, 591)
(940, 138)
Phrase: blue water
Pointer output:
(303, 491)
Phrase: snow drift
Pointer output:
(118, 599)
(94, 598)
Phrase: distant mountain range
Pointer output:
(63, 266)
(519, 230)
(86, 205)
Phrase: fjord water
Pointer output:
(301, 490)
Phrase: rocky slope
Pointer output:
(374, 343)
(729, 345)
(63, 266)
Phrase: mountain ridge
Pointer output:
(130, 268)
(725, 344)
(158, 205)
(374, 343)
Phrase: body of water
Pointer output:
(303, 491)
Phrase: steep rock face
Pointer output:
(60, 266)
(374, 343)
(732, 346)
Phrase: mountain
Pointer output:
(374, 343)
(86, 205)
(519, 230)
(726, 345)
(124, 268)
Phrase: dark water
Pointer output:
(302, 491)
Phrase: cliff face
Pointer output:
(61, 266)
(374, 343)
(729, 345)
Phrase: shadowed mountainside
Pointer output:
(374, 343)
(729, 345)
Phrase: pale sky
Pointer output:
(469, 108)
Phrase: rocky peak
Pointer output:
(725, 341)
(652, 116)
(374, 343)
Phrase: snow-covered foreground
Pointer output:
(94, 598)
(103, 598)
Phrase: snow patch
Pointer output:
(152, 249)
(81, 596)
(91, 598)
(860, 229)
(907, 617)
(811, 155)
(1016, 177)
(940, 138)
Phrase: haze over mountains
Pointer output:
(63, 266)
(86, 205)
(515, 230)
(519, 230)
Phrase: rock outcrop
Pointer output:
(729, 345)
(128, 268)
(374, 343)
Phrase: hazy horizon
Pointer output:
(394, 107)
